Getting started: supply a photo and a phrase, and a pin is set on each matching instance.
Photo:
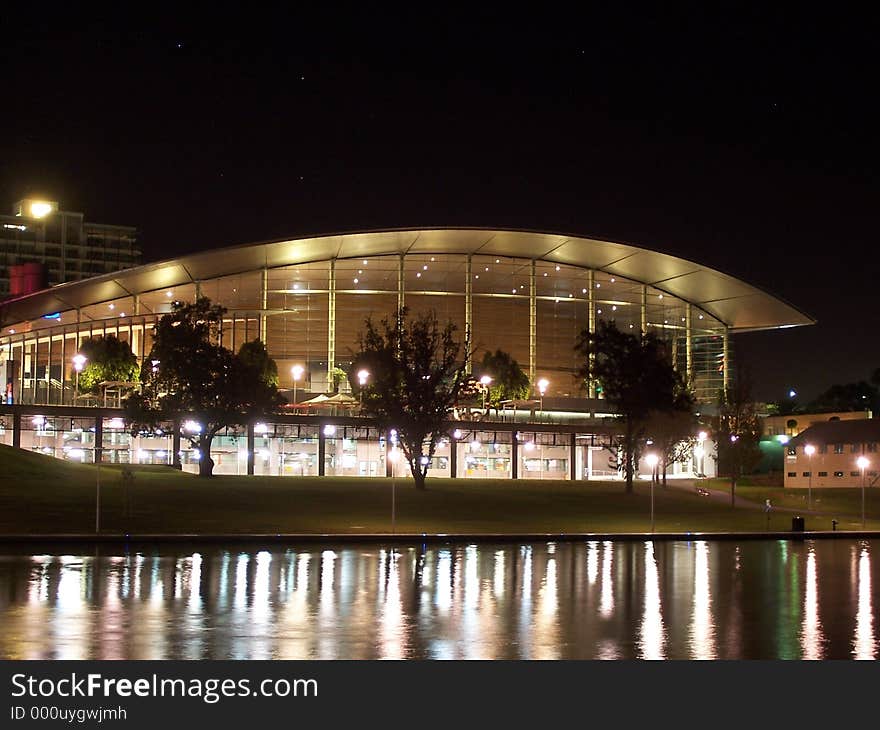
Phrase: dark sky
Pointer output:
(747, 142)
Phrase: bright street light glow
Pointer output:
(362, 376)
(79, 362)
(297, 371)
(40, 209)
(809, 449)
(862, 462)
(485, 380)
(652, 460)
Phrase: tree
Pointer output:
(417, 370)
(737, 433)
(637, 377)
(107, 359)
(509, 382)
(188, 375)
(848, 397)
(672, 430)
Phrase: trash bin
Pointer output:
(797, 524)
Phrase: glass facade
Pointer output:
(311, 314)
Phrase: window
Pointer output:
(823, 449)
(838, 473)
(854, 473)
(838, 448)
(792, 473)
(807, 473)
(872, 447)
(823, 473)
(855, 448)
(872, 473)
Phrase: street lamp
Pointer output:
(652, 460)
(392, 457)
(362, 381)
(484, 381)
(296, 371)
(79, 362)
(542, 388)
(863, 464)
(700, 452)
(809, 450)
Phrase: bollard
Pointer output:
(834, 525)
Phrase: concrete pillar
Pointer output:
(572, 465)
(726, 359)
(99, 439)
(16, 430)
(401, 284)
(250, 449)
(469, 313)
(689, 344)
(331, 323)
(453, 457)
(533, 319)
(322, 449)
(644, 309)
(175, 446)
(514, 456)
(591, 325)
(264, 301)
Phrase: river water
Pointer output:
(565, 600)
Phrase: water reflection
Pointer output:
(650, 600)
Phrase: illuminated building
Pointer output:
(67, 247)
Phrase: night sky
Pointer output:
(747, 142)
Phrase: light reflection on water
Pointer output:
(648, 600)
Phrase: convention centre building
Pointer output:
(527, 293)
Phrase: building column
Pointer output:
(591, 327)
(264, 300)
(453, 457)
(469, 313)
(725, 338)
(533, 319)
(99, 439)
(49, 369)
(322, 449)
(644, 309)
(16, 430)
(689, 345)
(250, 449)
(514, 456)
(331, 323)
(401, 293)
(175, 446)
(572, 461)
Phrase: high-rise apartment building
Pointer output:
(64, 245)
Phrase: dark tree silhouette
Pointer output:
(637, 378)
(417, 370)
(188, 375)
(737, 433)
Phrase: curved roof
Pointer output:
(737, 304)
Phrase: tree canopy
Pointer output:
(637, 378)
(189, 376)
(509, 382)
(107, 359)
(737, 433)
(417, 370)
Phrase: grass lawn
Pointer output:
(40, 494)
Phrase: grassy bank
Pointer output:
(39, 494)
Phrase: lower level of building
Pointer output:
(332, 446)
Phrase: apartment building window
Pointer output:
(872, 447)
(823, 473)
(823, 449)
(792, 473)
(838, 448)
(806, 474)
(838, 473)
(854, 473)
(855, 448)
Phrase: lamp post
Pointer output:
(700, 452)
(296, 371)
(484, 381)
(392, 457)
(652, 460)
(542, 388)
(362, 381)
(79, 362)
(809, 450)
(863, 464)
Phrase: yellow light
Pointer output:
(40, 209)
